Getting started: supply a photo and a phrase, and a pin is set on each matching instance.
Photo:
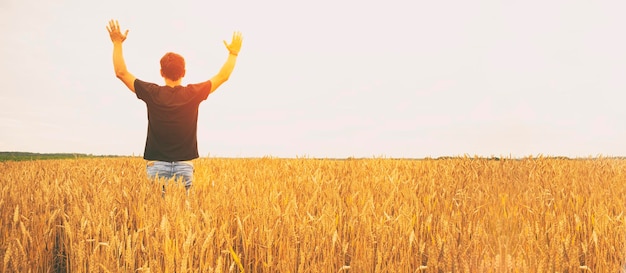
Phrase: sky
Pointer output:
(329, 79)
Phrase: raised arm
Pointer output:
(229, 65)
(118, 57)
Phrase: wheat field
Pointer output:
(315, 215)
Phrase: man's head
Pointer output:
(172, 66)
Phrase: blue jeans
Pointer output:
(167, 170)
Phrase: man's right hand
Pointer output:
(235, 44)
(115, 33)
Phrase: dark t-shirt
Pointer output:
(172, 119)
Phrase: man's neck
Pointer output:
(171, 83)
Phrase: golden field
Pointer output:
(313, 215)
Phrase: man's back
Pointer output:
(172, 119)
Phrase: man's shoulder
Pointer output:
(143, 89)
(199, 84)
(146, 86)
(146, 83)
(202, 87)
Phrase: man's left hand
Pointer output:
(115, 33)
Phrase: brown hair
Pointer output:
(172, 66)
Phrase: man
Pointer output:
(171, 142)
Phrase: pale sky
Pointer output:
(325, 78)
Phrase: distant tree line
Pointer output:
(23, 156)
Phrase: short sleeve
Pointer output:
(202, 90)
(142, 90)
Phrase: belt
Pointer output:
(188, 162)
